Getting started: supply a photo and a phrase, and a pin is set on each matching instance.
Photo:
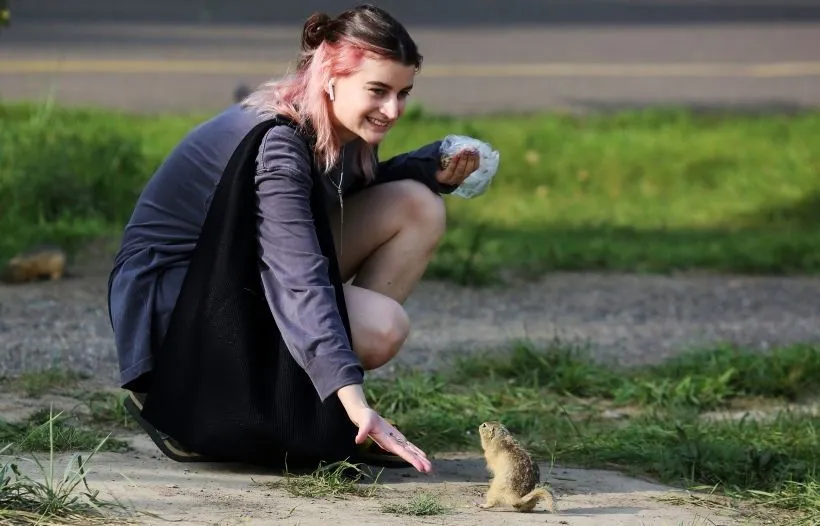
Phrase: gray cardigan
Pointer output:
(160, 236)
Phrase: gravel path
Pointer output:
(623, 318)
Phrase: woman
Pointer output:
(266, 261)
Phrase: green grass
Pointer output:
(419, 505)
(646, 191)
(51, 499)
(107, 410)
(673, 426)
(337, 480)
(57, 499)
(36, 383)
(42, 431)
(83, 425)
(80, 427)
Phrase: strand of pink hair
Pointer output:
(303, 95)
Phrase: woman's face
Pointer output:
(368, 102)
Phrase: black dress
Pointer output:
(219, 386)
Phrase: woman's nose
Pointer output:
(391, 109)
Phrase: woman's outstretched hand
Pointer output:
(372, 425)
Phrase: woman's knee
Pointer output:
(381, 338)
(422, 208)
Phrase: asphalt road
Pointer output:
(480, 56)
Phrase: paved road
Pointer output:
(480, 56)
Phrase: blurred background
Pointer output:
(635, 135)
(480, 56)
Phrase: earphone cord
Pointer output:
(341, 205)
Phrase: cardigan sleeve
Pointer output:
(420, 165)
(294, 271)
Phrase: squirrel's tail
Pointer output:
(528, 501)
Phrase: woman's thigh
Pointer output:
(376, 214)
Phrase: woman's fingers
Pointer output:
(396, 443)
(387, 437)
(416, 451)
(446, 175)
(460, 167)
(401, 439)
(473, 163)
(467, 164)
(361, 436)
(414, 455)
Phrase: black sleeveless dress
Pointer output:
(224, 384)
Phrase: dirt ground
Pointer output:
(230, 494)
(638, 319)
(159, 490)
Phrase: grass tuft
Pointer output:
(419, 505)
(335, 480)
(108, 409)
(66, 499)
(45, 431)
(34, 384)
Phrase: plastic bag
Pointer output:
(477, 182)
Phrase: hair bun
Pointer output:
(315, 31)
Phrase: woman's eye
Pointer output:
(377, 91)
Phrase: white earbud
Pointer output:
(330, 90)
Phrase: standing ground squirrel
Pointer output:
(45, 261)
(515, 474)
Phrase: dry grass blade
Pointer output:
(24, 500)
(338, 480)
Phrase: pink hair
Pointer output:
(302, 97)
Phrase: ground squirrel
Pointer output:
(45, 261)
(515, 474)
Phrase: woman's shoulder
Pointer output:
(287, 146)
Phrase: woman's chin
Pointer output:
(372, 138)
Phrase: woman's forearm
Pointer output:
(353, 399)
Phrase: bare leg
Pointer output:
(390, 233)
(379, 325)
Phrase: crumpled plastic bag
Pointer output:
(477, 182)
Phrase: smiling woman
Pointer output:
(353, 79)
(265, 264)
(372, 105)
